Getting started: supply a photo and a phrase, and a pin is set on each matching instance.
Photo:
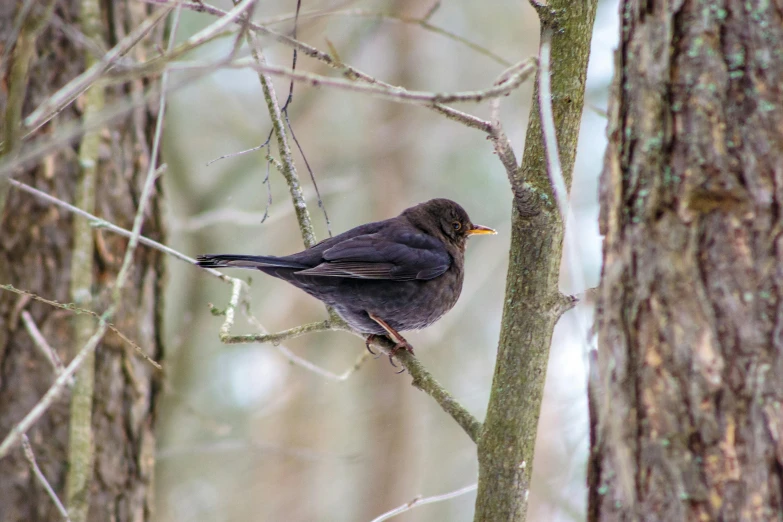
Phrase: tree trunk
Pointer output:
(37, 243)
(690, 424)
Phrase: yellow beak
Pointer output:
(480, 230)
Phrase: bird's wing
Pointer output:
(404, 257)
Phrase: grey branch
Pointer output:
(347, 71)
(519, 73)
(72, 307)
(289, 169)
(56, 388)
(423, 380)
(102, 223)
(43, 345)
(420, 501)
(30, 456)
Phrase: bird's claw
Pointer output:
(402, 345)
(370, 338)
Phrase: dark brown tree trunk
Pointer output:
(36, 248)
(690, 423)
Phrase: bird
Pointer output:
(382, 278)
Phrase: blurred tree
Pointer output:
(689, 417)
(102, 448)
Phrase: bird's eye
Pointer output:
(456, 225)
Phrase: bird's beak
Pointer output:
(480, 230)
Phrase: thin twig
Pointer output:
(555, 170)
(56, 388)
(72, 307)
(289, 169)
(548, 125)
(421, 22)
(15, 82)
(240, 218)
(240, 152)
(294, 359)
(420, 501)
(277, 337)
(521, 72)
(21, 15)
(70, 91)
(30, 456)
(238, 290)
(103, 224)
(43, 345)
(347, 71)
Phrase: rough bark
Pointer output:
(533, 298)
(691, 301)
(36, 244)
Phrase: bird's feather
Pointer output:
(373, 256)
(243, 261)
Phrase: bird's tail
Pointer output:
(242, 261)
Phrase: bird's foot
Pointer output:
(402, 344)
(371, 338)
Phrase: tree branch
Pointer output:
(348, 71)
(43, 345)
(289, 169)
(72, 307)
(420, 501)
(423, 380)
(422, 22)
(30, 456)
(516, 76)
(102, 223)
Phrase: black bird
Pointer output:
(384, 277)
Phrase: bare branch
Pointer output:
(420, 501)
(423, 380)
(278, 337)
(240, 218)
(56, 388)
(28, 26)
(421, 22)
(64, 96)
(72, 307)
(349, 72)
(289, 169)
(40, 341)
(548, 125)
(30, 456)
(519, 73)
(295, 359)
(102, 223)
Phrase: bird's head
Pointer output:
(445, 220)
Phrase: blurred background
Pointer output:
(245, 435)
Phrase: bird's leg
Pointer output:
(395, 336)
